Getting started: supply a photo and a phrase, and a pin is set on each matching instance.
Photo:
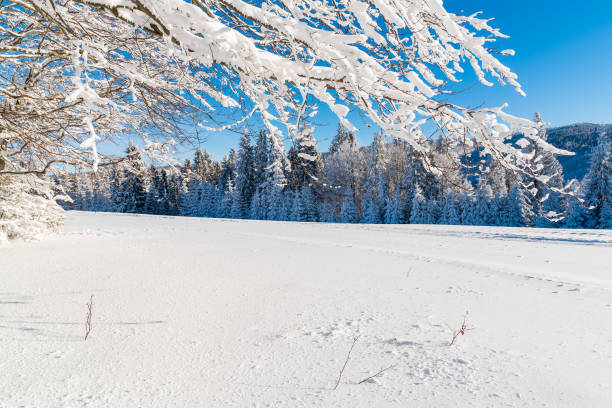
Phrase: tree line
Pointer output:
(385, 182)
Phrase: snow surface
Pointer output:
(211, 313)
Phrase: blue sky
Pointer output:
(563, 59)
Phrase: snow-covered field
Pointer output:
(214, 313)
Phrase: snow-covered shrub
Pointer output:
(27, 207)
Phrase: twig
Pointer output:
(461, 331)
(88, 320)
(377, 374)
(346, 361)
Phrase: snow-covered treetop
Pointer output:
(388, 58)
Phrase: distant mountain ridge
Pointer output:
(579, 138)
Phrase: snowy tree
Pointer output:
(158, 193)
(260, 156)
(343, 40)
(274, 180)
(465, 207)
(27, 207)
(341, 138)
(309, 206)
(177, 189)
(545, 182)
(187, 170)
(422, 211)
(598, 187)
(258, 206)
(134, 185)
(236, 204)
(376, 184)
(482, 211)
(450, 211)
(204, 167)
(577, 215)
(327, 211)
(305, 160)
(101, 191)
(518, 211)
(393, 209)
(303, 207)
(245, 177)
(348, 210)
(208, 200)
(496, 177)
(344, 168)
(279, 204)
(192, 200)
(78, 75)
(116, 179)
(226, 200)
(228, 173)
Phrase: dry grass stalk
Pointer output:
(464, 328)
(88, 317)
(377, 374)
(348, 356)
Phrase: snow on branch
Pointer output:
(87, 71)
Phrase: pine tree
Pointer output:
(274, 181)
(342, 137)
(150, 200)
(297, 206)
(370, 213)
(199, 164)
(228, 173)
(393, 209)
(577, 216)
(408, 187)
(343, 168)
(376, 185)
(279, 203)
(421, 209)
(159, 193)
(598, 186)
(497, 208)
(260, 157)
(450, 211)
(101, 192)
(192, 201)
(540, 186)
(204, 167)
(133, 186)
(187, 170)
(305, 160)
(465, 206)
(258, 206)
(348, 210)
(245, 177)
(235, 211)
(208, 200)
(482, 214)
(518, 211)
(115, 189)
(327, 211)
(309, 208)
(227, 200)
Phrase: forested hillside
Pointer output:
(579, 138)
